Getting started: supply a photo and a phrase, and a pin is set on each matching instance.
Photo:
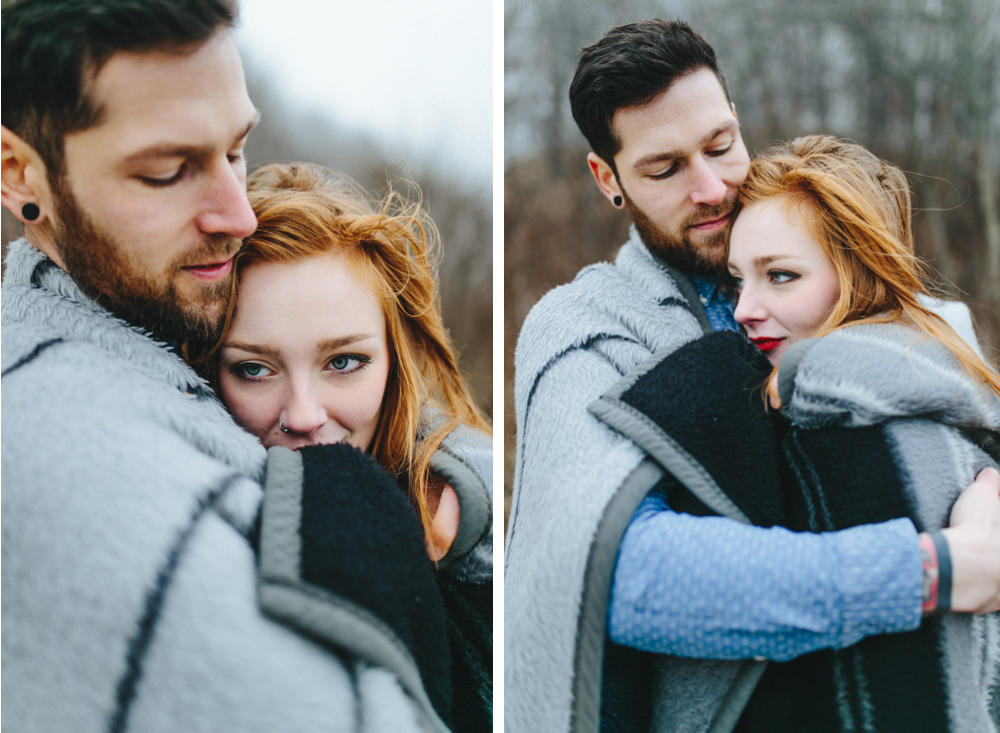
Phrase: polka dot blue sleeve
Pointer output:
(710, 587)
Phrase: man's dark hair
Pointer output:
(53, 50)
(630, 66)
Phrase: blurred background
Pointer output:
(387, 90)
(916, 81)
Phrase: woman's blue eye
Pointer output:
(347, 363)
(250, 370)
(782, 276)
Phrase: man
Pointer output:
(149, 582)
(585, 532)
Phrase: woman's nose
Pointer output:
(303, 412)
(748, 308)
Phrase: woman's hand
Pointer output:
(444, 523)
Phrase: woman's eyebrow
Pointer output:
(252, 348)
(341, 341)
(765, 260)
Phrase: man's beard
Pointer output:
(104, 272)
(705, 258)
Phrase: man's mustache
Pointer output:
(215, 249)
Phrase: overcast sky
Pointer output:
(415, 74)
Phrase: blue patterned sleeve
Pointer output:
(710, 587)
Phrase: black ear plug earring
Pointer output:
(618, 202)
(30, 211)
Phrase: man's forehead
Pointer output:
(190, 96)
(677, 120)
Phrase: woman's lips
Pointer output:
(211, 271)
(767, 344)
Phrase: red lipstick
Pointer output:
(767, 344)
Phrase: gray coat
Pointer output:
(130, 580)
(577, 484)
(942, 428)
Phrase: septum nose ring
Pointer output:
(282, 428)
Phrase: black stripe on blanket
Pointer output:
(41, 268)
(672, 301)
(892, 682)
(199, 392)
(155, 597)
(362, 541)
(706, 397)
(27, 358)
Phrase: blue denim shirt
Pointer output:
(717, 304)
(710, 587)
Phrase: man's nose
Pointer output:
(226, 209)
(708, 186)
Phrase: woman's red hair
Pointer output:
(860, 215)
(305, 210)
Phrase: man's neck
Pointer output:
(40, 237)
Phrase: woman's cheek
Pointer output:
(252, 412)
(367, 406)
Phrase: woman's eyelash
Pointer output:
(243, 369)
(782, 276)
(344, 368)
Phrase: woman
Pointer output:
(335, 335)
(843, 215)
(888, 416)
(871, 378)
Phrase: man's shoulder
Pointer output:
(37, 318)
(41, 355)
(633, 300)
(596, 289)
(92, 400)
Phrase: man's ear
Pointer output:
(606, 179)
(23, 179)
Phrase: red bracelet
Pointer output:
(929, 566)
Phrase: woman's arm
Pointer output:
(869, 373)
(444, 524)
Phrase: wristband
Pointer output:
(944, 572)
(935, 562)
(929, 569)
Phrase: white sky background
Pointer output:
(416, 75)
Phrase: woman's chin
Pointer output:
(774, 356)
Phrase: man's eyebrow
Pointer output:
(254, 119)
(182, 150)
(674, 154)
(168, 150)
